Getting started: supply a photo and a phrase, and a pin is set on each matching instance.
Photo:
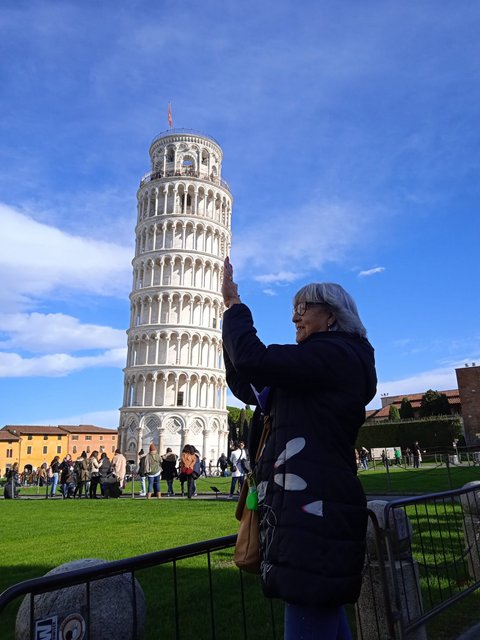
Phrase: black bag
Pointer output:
(112, 487)
(245, 466)
(233, 468)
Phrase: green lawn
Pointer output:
(430, 478)
(42, 534)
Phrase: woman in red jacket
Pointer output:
(187, 464)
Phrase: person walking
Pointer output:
(55, 468)
(312, 508)
(188, 460)
(67, 477)
(169, 470)
(94, 470)
(153, 467)
(104, 470)
(142, 472)
(364, 458)
(119, 467)
(12, 484)
(236, 467)
(42, 476)
(223, 464)
(82, 475)
(417, 455)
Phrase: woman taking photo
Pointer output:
(312, 509)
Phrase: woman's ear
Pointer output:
(331, 320)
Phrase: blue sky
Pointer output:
(350, 133)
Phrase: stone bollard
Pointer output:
(471, 527)
(372, 621)
(62, 613)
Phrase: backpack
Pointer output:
(153, 465)
(78, 468)
(196, 472)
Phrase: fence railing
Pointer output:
(432, 554)
(183, 172)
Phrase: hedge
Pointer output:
(431, 433)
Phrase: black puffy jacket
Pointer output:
(312, 506)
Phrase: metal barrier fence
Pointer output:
(208, 592)
(423, 556)
(432, 555)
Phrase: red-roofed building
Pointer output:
(87, 437)
(32, 445)
(379, 415)
(9, 450)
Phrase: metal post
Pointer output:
(387, 467)
(447, 462)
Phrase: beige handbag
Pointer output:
(247, 547)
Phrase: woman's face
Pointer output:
(316, 318)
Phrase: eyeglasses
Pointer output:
(301, 307)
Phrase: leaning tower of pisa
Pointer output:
(174, 386)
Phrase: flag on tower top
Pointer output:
(169, 115)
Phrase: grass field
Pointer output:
(39, 534)
(430, 478)
(42, 534)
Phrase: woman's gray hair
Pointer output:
(337, 300)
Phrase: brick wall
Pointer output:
(468, 379)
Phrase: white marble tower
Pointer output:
(175, 389)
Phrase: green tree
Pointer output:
(406, 409)
(239, 421)
(393, 413)
(434, 404)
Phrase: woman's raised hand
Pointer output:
(229, 288)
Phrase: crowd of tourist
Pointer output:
(95, 476)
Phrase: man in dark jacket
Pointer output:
(169, 469)
(222, 463)
(312, 509)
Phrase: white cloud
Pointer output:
(281, 276)
(37, 260)
(37, 332)
(318, 233)
(440, 379)
(371, 272)
(269, 292)
(13, 365)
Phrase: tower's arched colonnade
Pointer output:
(174, 383)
